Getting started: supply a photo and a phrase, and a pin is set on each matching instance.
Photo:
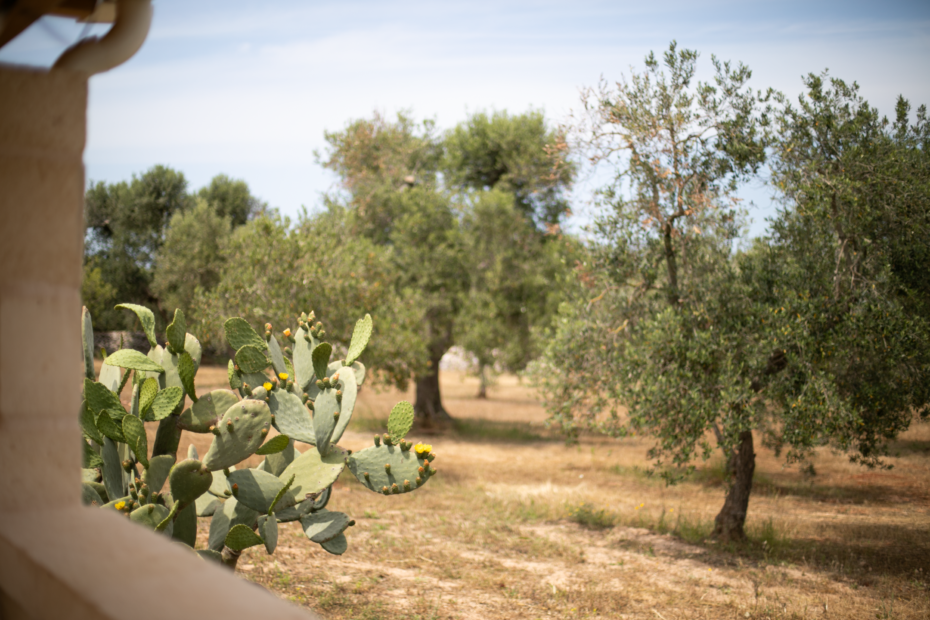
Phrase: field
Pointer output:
(519, 525)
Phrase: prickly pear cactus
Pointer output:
(295, 389)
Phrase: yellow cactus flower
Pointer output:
(287, 332)
(119, 505)
(423, 448)
(282, 376)
(267, 386)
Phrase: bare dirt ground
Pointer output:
(519, 525)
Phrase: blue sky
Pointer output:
(247, 88)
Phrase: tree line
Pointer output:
(661, 318)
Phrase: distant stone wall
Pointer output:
(110, 341)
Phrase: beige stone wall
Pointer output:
(59, 559)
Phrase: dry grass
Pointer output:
(518, 525)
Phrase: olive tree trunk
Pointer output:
(730, 522)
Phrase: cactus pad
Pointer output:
(250, 359)
(220, 487)
(132, 359)
(90, 457)
(234, 381)
(368, 466)
(276, 444)
(146, 318)
(177, 332)
(151, 515)
(164, 403)
(258, 489)
(157, 472)
(110, 428)
(185, 526)
(400, 421)
(134, 432)
(278, 462)
(207, 411)
(349, 395)
(206, 505)
(110, 377)
(239, 334)
(324, 525)
(360, 337)
(189, 480)
(186, 372)
(240, 432)
(89, 425)
(277, 358)
(291, 416)
(87, 336)
(325, 410)
(193, 348)
(320, 357)
(314, 472)
(170, 362)
(303, 359)
(336, 546)
(268, 528)
(89, 495)
(242, 537)
(294, 513)
(232, 513)
(99, 397)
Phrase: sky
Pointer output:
(248, 88)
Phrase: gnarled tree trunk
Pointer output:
(731, 520)
(482, 381)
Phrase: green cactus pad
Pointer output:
(325, 409)
(359, 369)
(110, 377)
(90, 459)
(156, 473)
(112, 503)
(89, 496)
(303, 359)
(151, 515)
(89, 425)
(320, 357)
(254, 379)
(258, 489)
(268, 528)
(314, 472)
(349, 395)
(177, 332)
(242, 537)
(186, 372)
(232, 513)
(185, 526)
(324, 525)
(101, 491)
(400, 421)
(98, 397)
(146, 318)
(206, 505)
(87, 337)
(192, 453)
(277, 358)
(336, 546)
(108, 427)
(209, 555)
(193, 348)
(239, 334)
(132, 359)
(250, 359)
(207, 411)
(404, 465)
(134, 432)
(248, 419)
(294, 513)
(220, 487)
(360, 337)
(89, 475)
(291, 416)
(164, 403)
(157, 354)
(276, 444)
(277, 463)
(234, 381)
(189, 480)
(170, 362)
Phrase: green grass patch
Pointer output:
(489, 430)
(590, 516)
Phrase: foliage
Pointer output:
(126, 226)
(150, 487)
(192, 257)
(516, 154)
(271, 269)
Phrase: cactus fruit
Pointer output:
(307, 397)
